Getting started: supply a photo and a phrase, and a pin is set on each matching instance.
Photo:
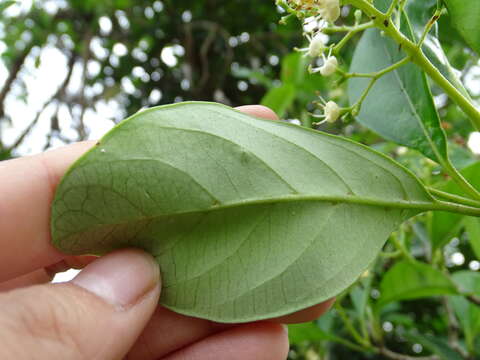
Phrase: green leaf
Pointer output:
(467, 313)
(279, 99)
(409, 280)
(465, 18)
(248, 218)
(400, 106)
(472, 227)
(294, 67)
(307, 332)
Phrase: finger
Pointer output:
(98, 315)
(259, 341)
(36, 277)
(175, 332)
(178, 331)
(305, 315)
(258, 111)
(28, 186)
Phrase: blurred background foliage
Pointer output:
(71, 69)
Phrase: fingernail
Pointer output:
(120, 278)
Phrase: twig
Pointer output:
(396, 356)
(59, 93)
(17, 65)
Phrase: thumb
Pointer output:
(98, 315)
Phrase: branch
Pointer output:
(59, 93)
(396, 356)
(17, 65)
(474, 299)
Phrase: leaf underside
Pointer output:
(248, 218)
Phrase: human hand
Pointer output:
(109, 311)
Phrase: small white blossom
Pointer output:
(330, 64)
(316, 45)
(329, 10)
(332, 112)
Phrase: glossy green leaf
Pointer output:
(248, 218)
(280, 98)
(409, 280)
(400, 106)
(465, 16)
(467, 313)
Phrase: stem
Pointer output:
(459, 179)
(348, 324)
(457, 208)
(384, 23)
(352, 30)
(453, 197)
(355, 108)
(395, 356)
(429, 25)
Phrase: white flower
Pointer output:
(332, 111)
(329, 10)
(317, 46)
(329, 66)
(326, 9)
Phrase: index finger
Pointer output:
(28, 186)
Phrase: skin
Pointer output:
(86, 317)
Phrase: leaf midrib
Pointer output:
(342, 199)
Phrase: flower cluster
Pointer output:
(328, 10)
(319, 13)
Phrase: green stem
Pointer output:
(429, 25)
(452, 197)
(384, 23)
(351, 329)
(459, 179)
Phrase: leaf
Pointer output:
(248, 218)
(306, 332)
(413, 280)
(472, 227)
(294, 67)
(400, 106)
(279, 98)
(467, 313)
(465, 18)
